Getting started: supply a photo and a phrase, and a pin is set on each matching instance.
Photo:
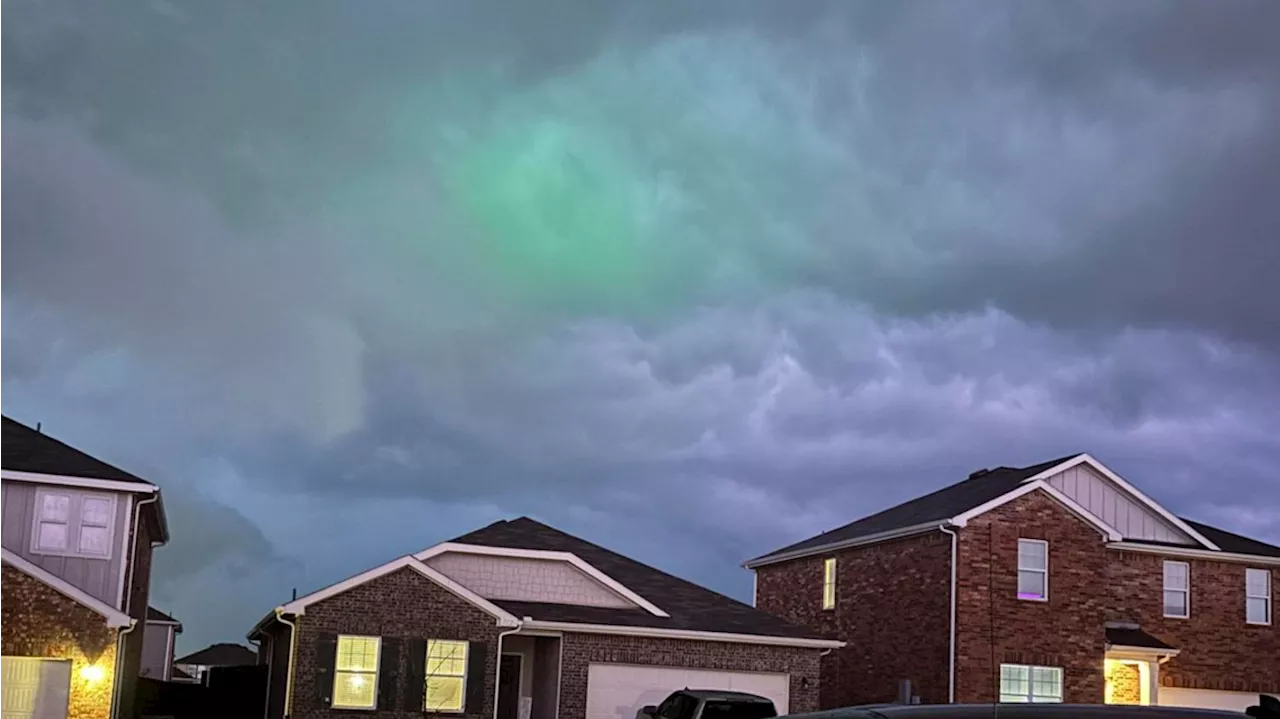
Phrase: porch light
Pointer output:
(92, 673)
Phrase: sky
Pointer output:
(689, 280)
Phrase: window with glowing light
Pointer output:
(1020, 683)
(355, 672)
(1033, 569)
(72, 523)
(446, 675)
(829, 583)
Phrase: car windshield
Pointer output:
(738, 710)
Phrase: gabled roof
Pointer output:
(690, 607)
(1231, 542)
(221, 655)
(934, 508)
(1133, 636)
(28, 450)
(984, 490)
(155, 616)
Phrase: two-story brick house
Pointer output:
(77, 540)
(1056, 582)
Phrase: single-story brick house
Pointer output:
(519, 620)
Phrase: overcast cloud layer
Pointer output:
(691, 280)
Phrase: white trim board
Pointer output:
(299, 605)
(1215, 555)
(1137, 494)
(115, 618)
(1108, 531)
(115, 485)
(614, 585)
(690, 634)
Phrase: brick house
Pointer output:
(518, 620)
(1055, 582)
(77, 540)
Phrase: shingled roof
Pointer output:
(690, 606)
(978, 489)
(27, 450)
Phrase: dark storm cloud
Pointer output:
(909, 241)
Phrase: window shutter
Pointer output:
(389, 673)
(415, 680)
(326, 651)
(477, 662)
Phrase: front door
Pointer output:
(509, 686)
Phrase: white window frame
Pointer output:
(1184, 590)
(1265, 596)
(339, 673)
(1030, 696)
(426, 680)
(829, 583)
(1042, 570)
(75, 522)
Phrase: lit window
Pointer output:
(446, 675)
(95, 526)
(73, 523)
(1177, 589)
(1033, 569)
(54, 525)
(829, 583)
(1022, 683)
(355, 672)
(1257, 596)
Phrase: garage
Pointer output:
(1206, 699)
(34, 688)
(617, 691)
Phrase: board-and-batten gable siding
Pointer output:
(526, 580)
(98, 577)
(1115, 506)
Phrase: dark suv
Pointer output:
(710, 704)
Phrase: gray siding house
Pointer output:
(157, 645)
(77, 536)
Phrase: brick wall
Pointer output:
(994, 626)
(1126, 683)
(36, 621)
(401, 604)
(1219, 649)
(892, 607)
(580, 650)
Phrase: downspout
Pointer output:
(128, 601)
(288, 672)
(497, 673)
(951, 655)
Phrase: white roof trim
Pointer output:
(534, 624)
(1216, 555)
(299, 605)
(569, 557)
(1123, 651)
(89, 482)
(844, 544)
(115, 618)
(1108, 531)
(1134, 491)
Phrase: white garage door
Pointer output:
(33, 688)
(617, 691)
(1206, 699)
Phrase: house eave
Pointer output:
(846, 544)
(689, 634)
(1194, 553)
